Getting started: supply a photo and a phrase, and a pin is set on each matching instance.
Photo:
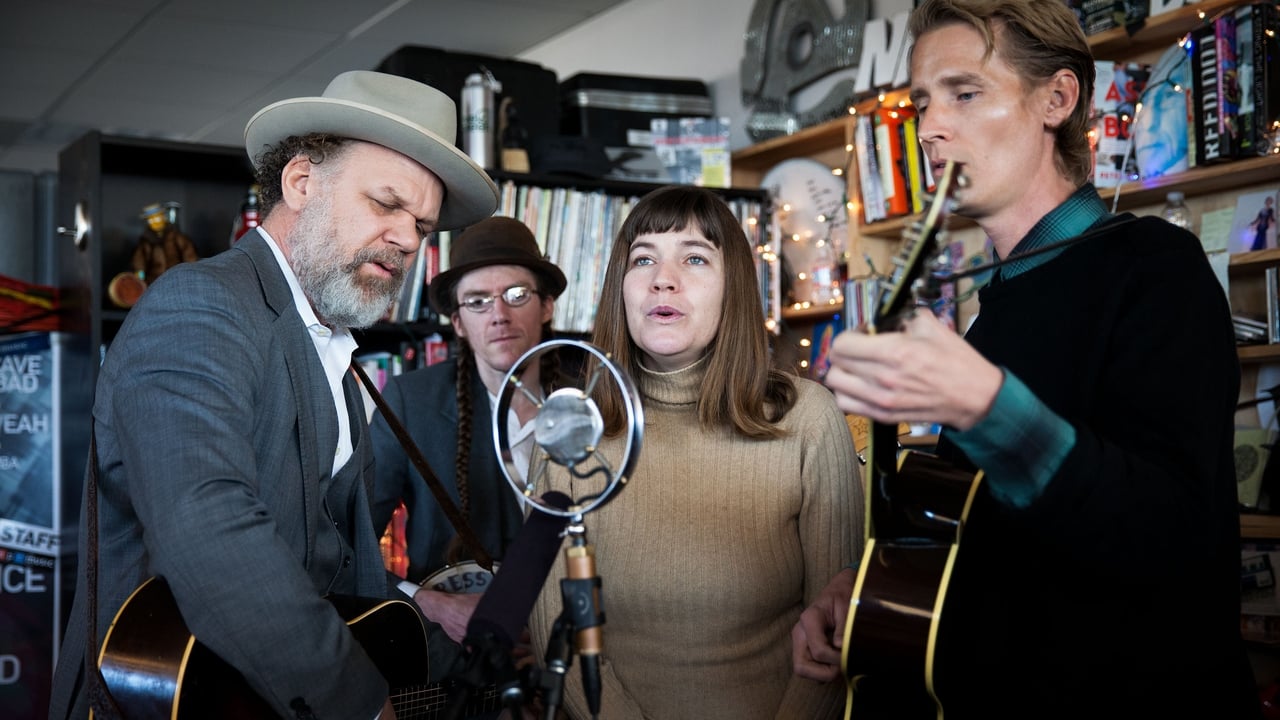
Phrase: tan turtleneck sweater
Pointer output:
(708, 556)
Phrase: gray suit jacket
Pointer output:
(216, 434)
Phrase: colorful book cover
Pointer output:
(1117, 91)
(888, 123)
(915, 162)
(1160, 128)
(1254, 224)
(1216, 90)
(694, 151)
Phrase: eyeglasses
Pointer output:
(514, 296)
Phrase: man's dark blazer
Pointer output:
(425, 400)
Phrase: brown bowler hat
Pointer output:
(495, 240)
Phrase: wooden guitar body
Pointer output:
(892, 628)
(155, 668)
(917, 504)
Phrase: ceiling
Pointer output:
(196, 70)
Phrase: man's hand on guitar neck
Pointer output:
(818, 635)
(452, 611)
(924, 372)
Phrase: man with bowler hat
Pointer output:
(233, 458)
(499, 293)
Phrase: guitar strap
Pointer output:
(465, 533)
(100, 699)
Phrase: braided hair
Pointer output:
(549, 371)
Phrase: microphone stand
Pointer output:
(559, 656)
(569, 429)
(582, 617)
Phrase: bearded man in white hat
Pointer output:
(231, 457)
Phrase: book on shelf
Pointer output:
(1258, 59)
(408, 303)
(1160, 128)
(868, 169)
(1116, 93)
(887, 122)
(1216, 90)
(1272, 278)
(444, 245)
(380, 366)
(919, 180)
(861, 300)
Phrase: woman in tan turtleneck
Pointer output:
(746, 497)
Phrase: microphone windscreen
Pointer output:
(505, 607)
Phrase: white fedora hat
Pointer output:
(402, 114)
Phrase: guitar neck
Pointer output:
(882, 473)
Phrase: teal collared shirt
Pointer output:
(1021, 443)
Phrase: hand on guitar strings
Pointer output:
(924, 372)
(452, 611)
(818, 636)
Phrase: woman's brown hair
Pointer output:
(743, 389)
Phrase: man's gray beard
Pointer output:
(338, 294)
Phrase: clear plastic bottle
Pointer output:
(823, 274)
(1176, 210)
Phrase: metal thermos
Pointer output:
(479, 101)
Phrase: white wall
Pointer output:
(701, 39)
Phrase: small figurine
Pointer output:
(161, 245)
(248, 218)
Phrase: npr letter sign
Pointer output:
(29, 542)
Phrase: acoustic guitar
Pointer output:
(155, 668)
(916, 505)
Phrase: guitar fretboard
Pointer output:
(429, 702)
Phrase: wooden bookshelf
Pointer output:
(1202, 180)
(1255, 526)
(1255, 354)
(1156, 30)
(805, 312)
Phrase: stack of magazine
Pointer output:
(1250, 331)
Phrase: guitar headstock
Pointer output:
(919, 248)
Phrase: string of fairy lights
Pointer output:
(876, 100)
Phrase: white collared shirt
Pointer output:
(519, 439)
(334, 346)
